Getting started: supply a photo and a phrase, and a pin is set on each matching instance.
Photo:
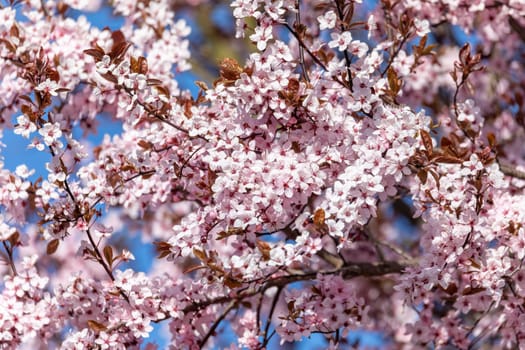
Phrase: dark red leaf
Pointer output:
(427, 141)
(52, 246)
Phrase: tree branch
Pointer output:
(212, 329)
(348, 61)
(510, 170)
(301, 48)
(270, 315)
(11, 262)
(347, 271)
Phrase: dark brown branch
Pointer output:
(510, 170)
(301, 48)
(335, 260)
(270, 315)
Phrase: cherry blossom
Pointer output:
(48, 86)
(341, 41)
(25, 127)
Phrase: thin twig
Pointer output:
(479, 319)
(44, 10)
(153, 112)
(302, 44)
(374, 241)
(301, 48)
(394, 55)
(259, 307)
(396, 250)
(348, 61)
(212, 329)
(270, 315)
(10, 258)
(98, 254)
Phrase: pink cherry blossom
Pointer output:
(341, 41)
(48, 86)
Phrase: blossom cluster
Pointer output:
(360, 169)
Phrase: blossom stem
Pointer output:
(348, 61)
(301, 48)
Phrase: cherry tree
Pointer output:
(360, 169)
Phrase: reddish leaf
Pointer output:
(464, 53)
(264, 248)
(199, 254)
(110, 77)
(96, 326)
(445, 142)
(97, 54)
(470, 291)
(230, 69)
(162, 90)
(201, 85)
(144, 144)
(118, 37)
(231, 282)
(393, 81)
(422, 175)
(232, 231)
(319, 217)
(14, 239)
(14, 32)
(163, 249)
(133, 64)
(25, 98)
(119, 50)
(53, 75)
(316, 290)
(427, 141)
(9, 45)
(108, 254)
(291, 306)
(52, 246)
(492, 140)
(143, 65)
(447, 160)
(451, 289)
(27, 110)
(349, 14)
(153, 82)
